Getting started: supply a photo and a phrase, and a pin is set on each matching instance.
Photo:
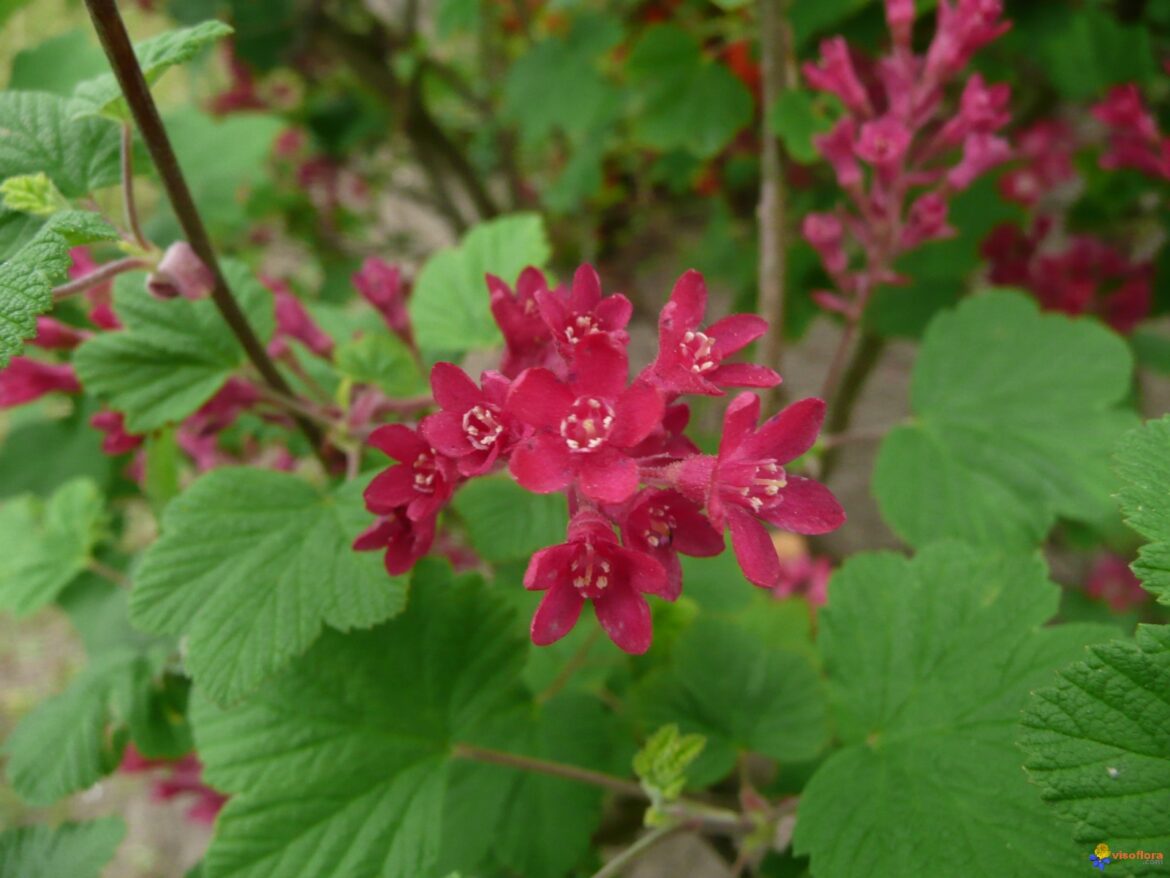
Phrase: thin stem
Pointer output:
(775, 45)
(837, 363)
(107, 572)
(111, 30)
(609, 782)
(129, 205)
(865, 358)
(615, 866)
(99, 276)
(574, 664)
(297, 406)
(864, 434)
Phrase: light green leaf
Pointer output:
(1015, 415)
(33, 193)
(505, 522)
(382, 360)
(1098, 743)
(339, 766)
(1143, 463)
(44, 546)
(102, 95)
(27, 277)
(172, 356)
(78, 155)
(449, 305)
(795, 118)
(684, 101)
(930, 661)
(727, 684)
(76, 850)
(251, 565)
(58, 64)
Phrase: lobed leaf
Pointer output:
(40, 135)
(78, 850)
(1143, 464)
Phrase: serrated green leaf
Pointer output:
(32, 193)
(251, 566)
(684, 101)
(27, 277)
(382, 360)
(505, 522)
(339, 766)
(729, 685)
(102, 95)
(1098, 744)
(1143, 464)
(1015, 413)
(40, 135)
(44, 546)
(76, 850)
(929, 662)
(171, 356)
(449, 305)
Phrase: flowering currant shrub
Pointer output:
(354, 525)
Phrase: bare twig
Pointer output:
(105, 571)
(98, 276)
(555, 769)
(626, 858)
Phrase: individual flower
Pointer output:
(182, 273)
(582, 311)
(664, 524)
(177, 777)
(472, 426)
(403, 539)
(927, 221)
(746, 484)
(116, 440)
(25, 380)
(1134, 139)
(804, 575)
(1111, 580)
(54, 335)
(422, 481)
(381, 284)
(826, 233)
(836, 75)
(981, 153)
(584, 428)
(690, 359)
(963, 29)
(100, 297)
(527, 341)
(592, 566)
(883, 142)
(837, 148)
(294, 322)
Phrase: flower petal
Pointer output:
(807, 507)
(789, 434)
(614, 312)
(444, 431)
(688, 303)
(453, 388)
(736, 332)
(738, 422)
(644, 573)
(744, 375)
(625, 616)
(398, 441)
(607, 477)
(586, 289)
(557, 614)
(692, 533)
(637, 412)
(390, 488)
(542, 464)
(539, 398)
(753, 548)
(600, 367)
(548, 567)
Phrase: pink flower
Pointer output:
(1134, 138)
(294, 322)
(1046, 148)
(180, 777)
(422, 481)
(883, 142)
(592, 566)
(747, 483)
(826, 233)
(54, 335)
(380, 284)
(180, 273)
(404, 540)
(837, 148)
(690, 360)
(804, 575)
(962, 30)
(835, 74)
(981, 152)
(1112, 581)
(527, 340)
(24, 380)
(983, 109)
(583, 312)
(900, 20)
(927, 221)
(472, 427)
(667, 439)
(663, 524)
(584, 429)
(117, 440)
(100, 297)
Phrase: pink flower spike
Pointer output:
(294, 322)
(403, 540)
(690, 360)
(835, 74)
(664, 524)
(883, 142)
(180, 273)
(591, 566)
(583, 312)
(53, 335)
(837, 148)
(472, 426)
(25, 380)
(381, 284)
(422, 481)
(981, 153)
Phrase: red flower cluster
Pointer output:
(1134, 140)
(563, 415)
(917, 152)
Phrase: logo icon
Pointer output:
(1100, 856)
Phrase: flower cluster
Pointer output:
(898, 151)
(1134, 140)
(562, 414)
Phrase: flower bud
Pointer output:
(180, 273)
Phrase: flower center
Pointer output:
(588, 423)
(426, 471)
(764, 485)
(481, 426)
(660, 531)
(699, 349)
(579, 327)
(590, 573)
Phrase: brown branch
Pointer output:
(843, 398)
(111, 30)
(555, 769)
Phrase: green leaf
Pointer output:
(1084, 54)
(32, 193)
(1151, 350)
(26, 278)
(102, 95)
(1098, 743)
(58, 64)
(728, 684)
(663, 761)
(1015, 415)
(41, 455)
(76, 850)
(340, 766)
(78, 155)
(44, 546)
(251, 566)
(449, 305)
(930, 661)
(796, 118)
(1143, 464)
(684, 101)
(171, 356)
(505, 522)
(382, 360)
